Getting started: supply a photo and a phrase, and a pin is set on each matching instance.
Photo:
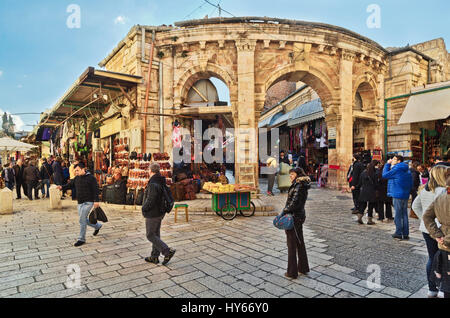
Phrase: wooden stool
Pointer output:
(186, 210)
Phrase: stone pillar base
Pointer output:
(6, 199)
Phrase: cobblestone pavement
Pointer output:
(243, 258)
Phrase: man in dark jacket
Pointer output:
(87, 196)
(46, 173)
(19, 168)
(57, 172)
(399, 188)
(154, 215)
(358, 168)
(31, 178)
(8, 176)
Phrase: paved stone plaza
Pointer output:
(215, 258)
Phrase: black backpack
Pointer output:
(167, 200)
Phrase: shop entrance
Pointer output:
(208, 104)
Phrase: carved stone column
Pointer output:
(246, 123)
(345, 126)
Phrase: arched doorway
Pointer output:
(208, 113)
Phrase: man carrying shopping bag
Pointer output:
(87, 190)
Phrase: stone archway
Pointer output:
(196, 73)
(249, 55)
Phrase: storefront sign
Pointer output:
(112, 128)
(332, 133)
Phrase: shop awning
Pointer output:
(9, 144)
(306, 113)
(91, 93)
(280, 120)
(268, 121)
(427, 107)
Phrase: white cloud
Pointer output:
(120, 20)
(20, 86)
(1, 73)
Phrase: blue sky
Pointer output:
(40, 57)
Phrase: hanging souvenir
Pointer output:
(176, 137)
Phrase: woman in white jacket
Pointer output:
(428, 193)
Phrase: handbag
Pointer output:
(284, 222)
(96, 215)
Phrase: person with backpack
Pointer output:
(158, 201)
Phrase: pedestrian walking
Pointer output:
(367, 197)
(154, 213)
(295, 205)
(384, 202)
(440, 210)
(425, 198)
(45, 173)
(399, 189)
(272, 165)
(358, 168)
(32, 178)
(88, 199)
(19, 169)
(8, 176)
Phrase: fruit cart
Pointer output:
(228, 200)
(227, 205)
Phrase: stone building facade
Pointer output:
(251, 55)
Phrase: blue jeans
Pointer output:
(83, 211)
(9, 185)
(401, 217)
(432, 248)
(46, 183)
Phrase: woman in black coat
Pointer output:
(383, 201)
(368, 185)
(295, 205)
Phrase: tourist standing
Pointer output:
(88, 198)
(46, 176)
(272, 166)
(399, 188)
(301, 161)
(358, 168)
(154, 214)
(367, 198)
(19, 168)
(57, 172)
(31, 177)
(426, 196)
(284, 158)
(440, 210)
(8, 176)
(295, 205)
(384, 202)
